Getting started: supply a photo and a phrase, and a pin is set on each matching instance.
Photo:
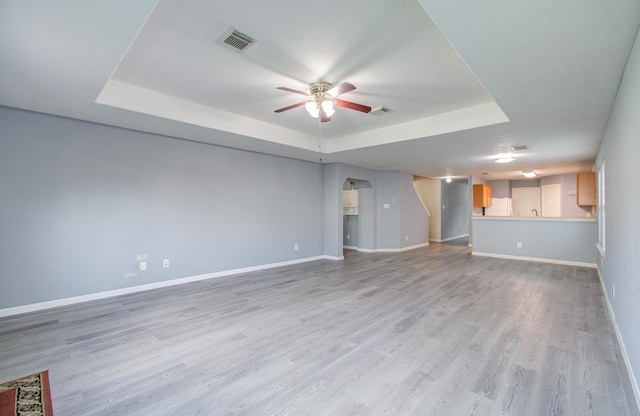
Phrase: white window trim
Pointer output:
(601, 212)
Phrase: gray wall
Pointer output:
(500, 189)
(366, 219)
(333, 209)
(551, 239)
(335, 175)
(79, 201)
(525, 183)
(350, 230)
(455, 214)
(388, 223)
(378, 227)
(414, 221)
(569, 205)
(620, 150)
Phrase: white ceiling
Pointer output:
(465, 80)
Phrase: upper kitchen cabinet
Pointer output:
(586, 189)
(350, 202)
(481, 195)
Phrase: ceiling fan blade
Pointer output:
(292, 90)
(341, 89)
(289, 107)
(353, 106)
(323, 116)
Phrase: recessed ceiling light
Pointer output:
(448, 179)
(530, 174)
(505, 159)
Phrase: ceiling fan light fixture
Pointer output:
(322, 99)
(327, 107)
(312, 108)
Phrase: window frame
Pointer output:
(601, 212)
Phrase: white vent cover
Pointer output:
(236, 40)
(378, 111)
(520, 147)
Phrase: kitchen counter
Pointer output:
(487, 217)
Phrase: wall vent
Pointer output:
(378, 111)
(236, 40)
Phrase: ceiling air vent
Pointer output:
(378, 111)
(521, 147)
(236, 40)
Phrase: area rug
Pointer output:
(26, 396)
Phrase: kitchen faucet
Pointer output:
(535, 210)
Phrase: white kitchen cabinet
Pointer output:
(350, 202)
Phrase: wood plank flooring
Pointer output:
(432, 331)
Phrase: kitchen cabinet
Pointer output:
(586, 189)
(481, 195)
(350, 202)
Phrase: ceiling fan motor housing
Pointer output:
(319, 91)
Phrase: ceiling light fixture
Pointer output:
(505, 159)
(448, 179)
(320, 99)
(530, 174)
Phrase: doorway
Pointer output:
(357, 214)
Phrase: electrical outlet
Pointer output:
(165, 263)
(295, 247)
(348, 237)
(519, 244)
(613, 291)
(406, 237)
(142, 265)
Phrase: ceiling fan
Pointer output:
(321, 99)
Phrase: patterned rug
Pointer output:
(26, 396)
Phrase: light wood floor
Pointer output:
(433, 331)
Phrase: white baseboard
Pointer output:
(627, 363)
(434, 240)
(540, 260)
(350, 247)
(392, 250)
(141, 288)
(387, 250)
(454, 238)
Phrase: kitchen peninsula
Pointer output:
(562, 240)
